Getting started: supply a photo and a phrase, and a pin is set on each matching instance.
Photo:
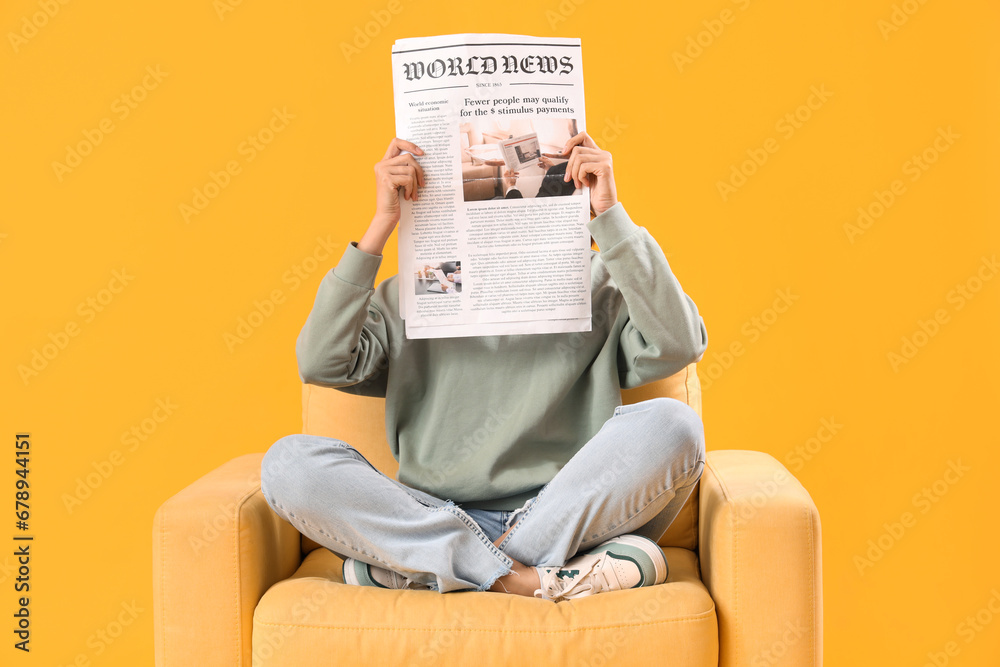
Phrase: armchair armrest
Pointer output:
(217, 547)
(761, 559)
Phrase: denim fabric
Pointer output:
(633, 476)
(492, 522)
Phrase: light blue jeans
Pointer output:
(633, 476)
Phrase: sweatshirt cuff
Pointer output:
(612, 226)
(357, 267)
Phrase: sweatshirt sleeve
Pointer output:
(664, 332)
(344, 340)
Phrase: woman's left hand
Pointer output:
(590, 166)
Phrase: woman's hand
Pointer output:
(396, 170)
(590, 166)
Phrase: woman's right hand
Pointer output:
(394, 171)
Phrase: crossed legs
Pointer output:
(633, 476)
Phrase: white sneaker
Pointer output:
(359, 573)
(626, 561)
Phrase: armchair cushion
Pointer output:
(311, 614)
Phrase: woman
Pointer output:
(520, 470)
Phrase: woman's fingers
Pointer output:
(405, 176)
(396, 170)
(579, 171)
(586, 168)
(408, 159)
(399, 177)
(575, 167)
(408, 169)
(397, 146)
(405, 181)
(581, 148)
(581, 139)
(578, 153)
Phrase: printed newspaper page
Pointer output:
(497, 243)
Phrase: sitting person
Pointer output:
(532, 479)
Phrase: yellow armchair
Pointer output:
(234, 584)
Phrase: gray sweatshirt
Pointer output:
(486, 421)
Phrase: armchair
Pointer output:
(234, 584)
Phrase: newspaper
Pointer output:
(497, 243)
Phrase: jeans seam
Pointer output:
(449, 506)
(505, 568)
(527, 512)
(478, 532)
(538, 496)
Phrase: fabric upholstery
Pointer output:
(312, 614)
(217, 546)
(762, 560)
(233, 584)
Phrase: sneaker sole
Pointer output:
(348, 574)
(651, 548)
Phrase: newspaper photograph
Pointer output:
(497, 241)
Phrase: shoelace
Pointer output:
(591, 579)
(405, 583)
(402, 582)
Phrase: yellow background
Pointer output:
(679, 130)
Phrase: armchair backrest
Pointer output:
(360, 422)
